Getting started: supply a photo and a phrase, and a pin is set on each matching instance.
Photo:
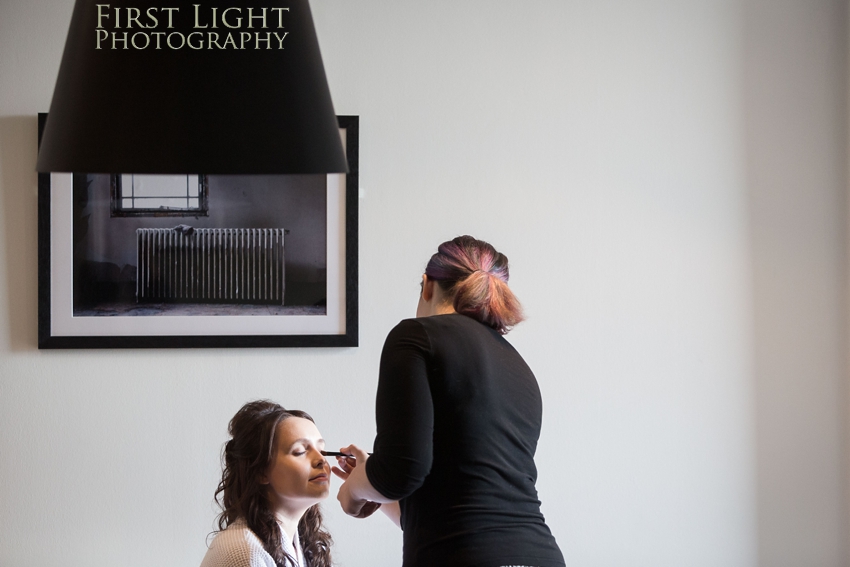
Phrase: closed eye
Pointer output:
(301, 446)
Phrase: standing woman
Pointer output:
(274, 476)
(458, 418)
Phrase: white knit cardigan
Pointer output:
(238, 546)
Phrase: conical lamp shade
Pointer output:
(228, 88)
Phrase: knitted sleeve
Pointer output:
(237, 546)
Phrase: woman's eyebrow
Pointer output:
(305, 441)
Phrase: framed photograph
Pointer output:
(162, 261)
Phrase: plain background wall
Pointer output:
(668, 179)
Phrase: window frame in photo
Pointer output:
(117, 198)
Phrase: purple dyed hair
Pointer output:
(475, 275)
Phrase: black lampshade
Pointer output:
(192, 98)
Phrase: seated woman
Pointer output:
(274, 476)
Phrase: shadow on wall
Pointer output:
(19, 206)
(794, 80)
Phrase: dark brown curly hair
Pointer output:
(245, 458)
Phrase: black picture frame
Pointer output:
(50, 283)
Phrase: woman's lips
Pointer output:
(320, 477)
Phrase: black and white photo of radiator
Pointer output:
(233, 259)
(210, 265)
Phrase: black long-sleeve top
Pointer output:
(458, 417)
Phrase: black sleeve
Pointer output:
(404, 414)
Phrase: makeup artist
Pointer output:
(458, 418)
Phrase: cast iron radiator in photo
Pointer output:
(210, 265)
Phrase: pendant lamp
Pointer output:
(211, 86)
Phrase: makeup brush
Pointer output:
(337, 454)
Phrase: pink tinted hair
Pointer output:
(476, 276)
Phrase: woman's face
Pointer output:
(298, 476)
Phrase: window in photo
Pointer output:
(135, 195)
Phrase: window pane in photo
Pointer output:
(159, 186)
(126, 185)
(159, 195)
(158, 203)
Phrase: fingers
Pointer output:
(368, 509)
(356, 452)
(360, 508)
(347, 464)
(349, 505)
(352, 508)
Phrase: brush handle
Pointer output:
(337, 454)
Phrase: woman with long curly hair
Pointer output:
(274, 476)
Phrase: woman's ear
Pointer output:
(263, 479)
(427, 288)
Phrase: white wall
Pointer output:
(668, 179)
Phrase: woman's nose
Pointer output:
(319, 461)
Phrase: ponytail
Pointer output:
(475, 275)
